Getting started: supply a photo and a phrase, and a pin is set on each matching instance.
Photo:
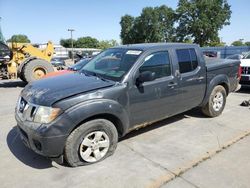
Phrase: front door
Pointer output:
(154, 100)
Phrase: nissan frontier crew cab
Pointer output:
(78, 117)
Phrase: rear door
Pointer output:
(192, 77)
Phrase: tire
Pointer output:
(36, 69)
(21, 75)
(216, 102)
(77, 153)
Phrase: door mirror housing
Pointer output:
(145, 76)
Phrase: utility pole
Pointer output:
(71, 34)
(1, 34)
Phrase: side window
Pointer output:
(187, 60)
(157, 62)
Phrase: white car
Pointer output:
(245, 65)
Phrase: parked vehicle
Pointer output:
(80, 116)
(79, 65)
(245, 65)
(71, 69)
(213, 54)
(58, 63)
(235, 56)
(5, 53)
(27, 62)
(5, 56)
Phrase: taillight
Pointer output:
(239, 71)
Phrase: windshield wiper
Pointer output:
(99, 76)
(86, 73)
(89, 73)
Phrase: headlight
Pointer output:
(46, 114)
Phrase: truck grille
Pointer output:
(25, 110)
(245, 70)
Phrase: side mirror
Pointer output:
(145, 76)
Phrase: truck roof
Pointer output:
(150, 46)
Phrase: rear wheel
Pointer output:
(92, 142)
(216, 102)
(36, 69)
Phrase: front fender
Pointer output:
(221, 79)
(88, 109)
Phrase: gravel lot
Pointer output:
(188, 150)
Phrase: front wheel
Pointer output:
(216, 102)
(36, 69)
(91, 142)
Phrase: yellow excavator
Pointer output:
(26, 61)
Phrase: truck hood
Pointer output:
(50, 90)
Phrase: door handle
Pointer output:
(200, 78)
(196, 79)
(172, 84)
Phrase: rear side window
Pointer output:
(158, 63)
(187, 60)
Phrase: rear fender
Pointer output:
(217, 80)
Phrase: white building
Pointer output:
(61, 52)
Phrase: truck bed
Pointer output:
(215, 64)
(223, 67)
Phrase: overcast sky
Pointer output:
(49, 19)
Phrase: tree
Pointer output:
(247, 43)
(188, 40)
(216, 44)
(238, 43)
(20, 38)
(153, 25)
(87, 42)
(67, 43)
(201, 20)
(127, 23)
(104, 44)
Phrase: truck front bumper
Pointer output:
(42, 140)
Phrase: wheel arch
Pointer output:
(225, 85)
(221, 80)
(100, 109)
(110, 117)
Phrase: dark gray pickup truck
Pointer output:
(80, 116)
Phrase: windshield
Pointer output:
(112, 64)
